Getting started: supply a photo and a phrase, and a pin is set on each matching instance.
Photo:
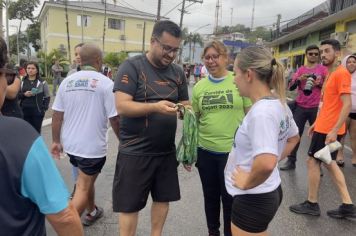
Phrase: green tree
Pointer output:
(1, 15)
(113, 59)
(13, 43)
(46, 60)
(197, 39)
(188, 39)
(191, 38)
(23, 10)
(259, 32)
(34, 34)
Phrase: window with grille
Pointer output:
(115, 24)
(325, 33)
(85, 20)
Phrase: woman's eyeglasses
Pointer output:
(213, 57)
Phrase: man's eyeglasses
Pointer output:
(9, 75)
(315, 54)
(167, 49)
(213, 57)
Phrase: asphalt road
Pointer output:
(186, 217)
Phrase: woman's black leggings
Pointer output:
(33, 116)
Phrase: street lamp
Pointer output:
(17, 42)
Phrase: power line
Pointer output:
(173, 8)
(128, 4)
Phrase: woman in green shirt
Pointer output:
(220, 110)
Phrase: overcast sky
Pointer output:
(202, 14)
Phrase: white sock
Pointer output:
(93, 213)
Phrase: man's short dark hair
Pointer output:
(311, 47)
(333, 42)
(166, 26)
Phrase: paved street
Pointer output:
(186, 217)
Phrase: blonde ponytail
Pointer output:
(277, 82)
(260, 60)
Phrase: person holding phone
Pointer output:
(34, 96)
(11, 106)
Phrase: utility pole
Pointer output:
(184, 11)
(159, 11)
(181, 14)
(279, 16)
(253, 14)
(232, 12)
(181, 22)
(217, 10)
(143, 37)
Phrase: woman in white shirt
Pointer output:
(267, 134)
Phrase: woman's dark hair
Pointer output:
(3, 52)
(37, 67)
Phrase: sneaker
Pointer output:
(344, 211)
(307, 208)
(89, 219)
(288, 165)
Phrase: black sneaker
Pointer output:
(344, 211)
(307, 208)
(288, 165)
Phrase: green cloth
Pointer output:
(187, 147)
(220, 110)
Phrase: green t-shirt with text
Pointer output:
(221, 111)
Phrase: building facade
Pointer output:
(126, 29)
(332, 19)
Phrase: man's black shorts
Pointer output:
(89, 166)
(352, 116)
(253, 212)
(137, 176)
(318, 142)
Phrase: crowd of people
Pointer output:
(245, 127)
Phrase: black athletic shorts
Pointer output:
(352, 116)
(318, 142)
(138, 176)
(89, 166)
(253, 212)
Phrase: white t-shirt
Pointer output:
(87, 100)
(265, 129)
(204, 72)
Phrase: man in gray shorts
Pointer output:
(147, 87)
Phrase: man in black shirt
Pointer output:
(147, 88)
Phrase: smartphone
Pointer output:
(34, 90)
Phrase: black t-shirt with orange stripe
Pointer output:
(153, 134)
